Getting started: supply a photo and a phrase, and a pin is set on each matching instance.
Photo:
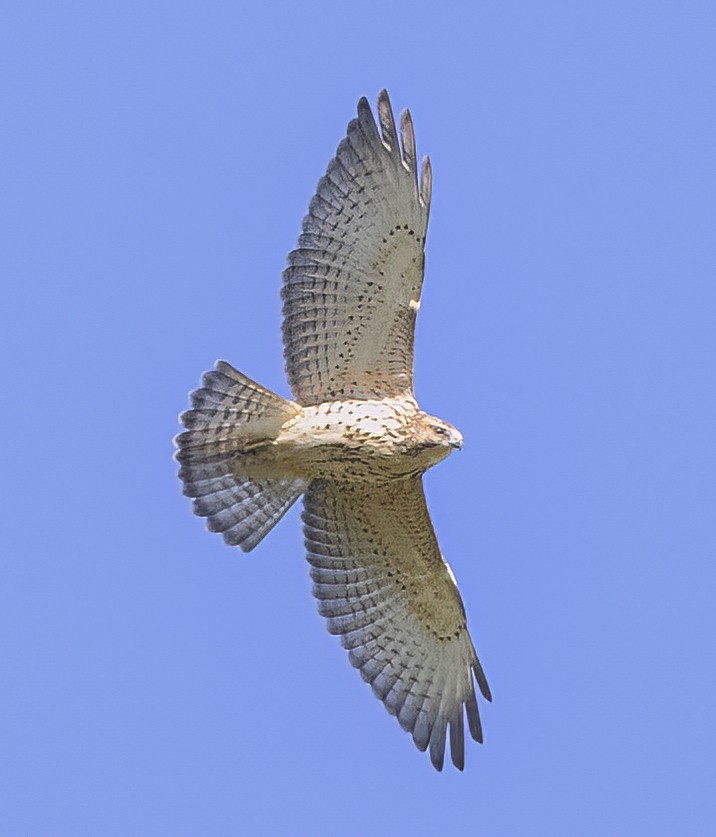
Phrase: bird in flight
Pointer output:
(353, 442)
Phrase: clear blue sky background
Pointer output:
(157, 159)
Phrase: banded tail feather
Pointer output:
(231, 414)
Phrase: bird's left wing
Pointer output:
(384, 587)
(352, 288)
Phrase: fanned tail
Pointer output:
(230, 414)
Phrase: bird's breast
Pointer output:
(353, 440)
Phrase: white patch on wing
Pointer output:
(449, 569)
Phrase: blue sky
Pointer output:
(157, 159)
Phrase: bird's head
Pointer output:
(438, 437)
(444, 433)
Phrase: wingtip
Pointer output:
(364, 107)
(426, 182)
(437, 761)
(407, 131)
(387, 122)
(481, 680)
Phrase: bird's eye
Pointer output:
(441, 430)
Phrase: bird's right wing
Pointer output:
(384, 587)
(352, 288)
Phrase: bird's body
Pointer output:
(354, 442)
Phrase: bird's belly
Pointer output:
(364, 462)
(328, 459)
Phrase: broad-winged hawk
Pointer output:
(354, 442)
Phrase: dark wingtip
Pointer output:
(407, 132)
(426, 182)
(386, 120)
(482, 680)
(365, 118)
(384, 99)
